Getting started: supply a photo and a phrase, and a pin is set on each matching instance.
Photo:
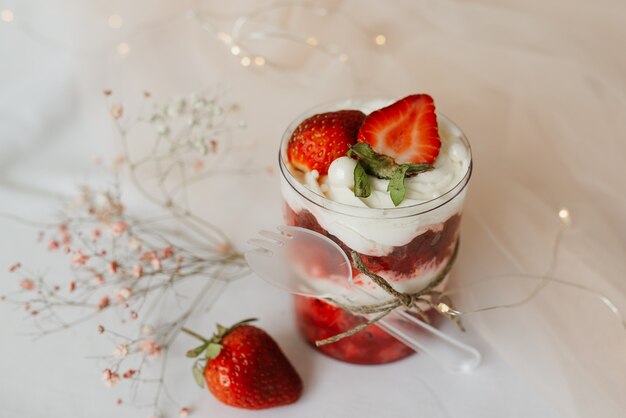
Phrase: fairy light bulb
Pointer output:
(7, 16)
(235, 50)
(565, 216)
(224, 37)
(312, 41)
(443, 308)
(259, 61)
(123, 48)
(380, 40)
(115, 21)
(245, 61)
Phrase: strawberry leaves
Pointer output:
(213, 350)
(198, 373)
(383, 167)
(195, 352)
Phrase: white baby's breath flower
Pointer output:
(120, 351)
(147, 330)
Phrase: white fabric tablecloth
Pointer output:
(538, 87)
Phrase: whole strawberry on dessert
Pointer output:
(244, 367)
(322, 138)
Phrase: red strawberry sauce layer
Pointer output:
(318, 320)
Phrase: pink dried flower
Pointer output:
(129, 373)
(107, 92)
(119, 227)
(100, 329)
(270, 170)
(167, 252)
(110, 378)
(80, 259)
(72, 286)
(53, 245)
(95, 234)
(156, 264)
(150, 347)
(104, 302)
(99, 279)
(67, 250)
(184, 412)
(134, 315)
(27, 284)
(34, 313)
(148, 256)
(113, 266)
(14, 267)
(66, 239)
(118, 402)
(224, 248)
(137, 271)
(120, 351)
(198, 165)
(118, 162)
(117, 111)
(123, 294)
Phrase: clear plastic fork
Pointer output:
(304, 262)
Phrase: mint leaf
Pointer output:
(198, 374)
(361, 150)
(396, 185)
(417, 168)
(196, 351)
(375, 164)
(213, 350)
(361, 181)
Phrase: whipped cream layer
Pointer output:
(451, 166)
(372, 225)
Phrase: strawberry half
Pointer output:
(405, 131)
(322, 138)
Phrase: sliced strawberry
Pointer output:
(405, 131)
(322, 138)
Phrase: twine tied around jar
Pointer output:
(418, 302)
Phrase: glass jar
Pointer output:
(407, 245)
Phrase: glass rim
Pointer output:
(368, 212)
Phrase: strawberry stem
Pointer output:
(193, 334)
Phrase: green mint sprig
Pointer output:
(383, 167)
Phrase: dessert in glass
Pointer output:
(386, 180)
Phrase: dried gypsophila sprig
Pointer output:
(132, 265)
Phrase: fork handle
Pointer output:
(422, 337)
